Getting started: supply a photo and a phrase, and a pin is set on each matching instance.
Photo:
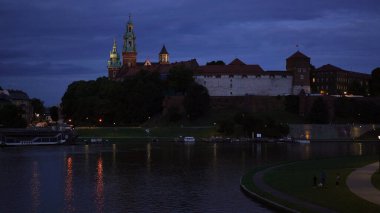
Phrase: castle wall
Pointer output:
(239, 85)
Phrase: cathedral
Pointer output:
(118, 70)
(233, 79)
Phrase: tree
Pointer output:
(54, 113)
(179, 79)
(375, 82)
(129, 102)
(226, 126)
(38, 107)
(219, 62)
(11, 117)
(292, 103)
(196, 101)
(319, 113)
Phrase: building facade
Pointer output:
(20, 99)
(332, 80)
(238, 78)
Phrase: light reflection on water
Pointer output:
(144, 177)
(35, 187)
(69, 194)
(99, 186)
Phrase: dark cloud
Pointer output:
(41, 70)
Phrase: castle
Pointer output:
(235, 78)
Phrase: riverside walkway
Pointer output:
(260, 183)
(359, 182)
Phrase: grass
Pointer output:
(297, 180)
(138, 133)
(371, 135)
(376, 180)
(248, 183)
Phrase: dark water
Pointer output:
(143, 177)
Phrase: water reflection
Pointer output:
(99, 186)
(35, 187)
(148, 156)
(69, 185)
(113, 155)
(161, 177)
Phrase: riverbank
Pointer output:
(125, 134)
(295, 180)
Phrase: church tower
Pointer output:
(114, 63)
(163, 57)
(299, 64)
(129, 49)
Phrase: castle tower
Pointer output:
(163, 57)
(129, 49)
(299, 65)
(114, 63)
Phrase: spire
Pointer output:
(129, 48)
(163, 56)
(163, 50)
(114, 60)
(130, 19)
(129, 37)
(114, 48)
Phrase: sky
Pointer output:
(47, 44)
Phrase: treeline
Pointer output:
(247, 124)
(133, 101)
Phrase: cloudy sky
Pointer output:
(47, 44)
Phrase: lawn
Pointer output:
(376, 180)
(296, 179)
(145, 133)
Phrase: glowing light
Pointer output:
(99, 186)
(69, 194)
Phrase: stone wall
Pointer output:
(329, 131)
(250, 103)
(239, 85)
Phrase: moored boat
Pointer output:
(36, 136)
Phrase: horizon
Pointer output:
(53, 44)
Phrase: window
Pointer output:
(271, 76)
(230, 85)
(217, 76)
(244, 76)
(258, 76)
(284, 76)
(301, 77)
(231, 76)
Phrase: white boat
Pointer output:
(303, 141)
(189, 140)
(38, 136)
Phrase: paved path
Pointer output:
(359, 182)
(259, 182)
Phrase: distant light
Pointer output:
(100, 120)
(378, 137)
(70, 120)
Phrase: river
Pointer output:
(143, 177)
